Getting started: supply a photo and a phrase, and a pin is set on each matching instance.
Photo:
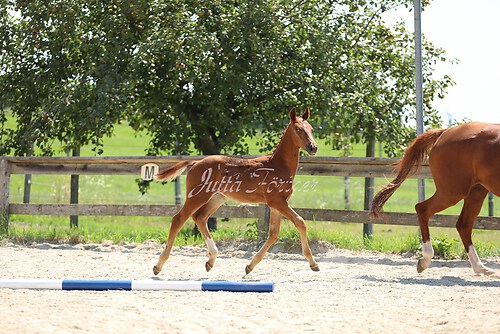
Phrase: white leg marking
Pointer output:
(477, 265)
(212, 248)
(427, 255)
(427, 251)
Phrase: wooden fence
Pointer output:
(320, 166)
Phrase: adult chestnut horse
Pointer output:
(465, 164)
(266, 179)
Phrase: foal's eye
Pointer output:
(299, 130)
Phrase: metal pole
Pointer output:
(417, 8)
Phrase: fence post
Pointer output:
(27, 180)
(369, 185)
(347, 193)
(27, 189)
(263, 221)
(178, 198)
(4, 196)
(75, 180)
(491, 211)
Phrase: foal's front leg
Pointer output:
(299, 223)
(274, 230)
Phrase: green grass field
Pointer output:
(326, 192)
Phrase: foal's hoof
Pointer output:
(156, 271)
(315, 267)
(248, 269)
(491, 272)
(208, 267)
(486, 271)
(421, 266)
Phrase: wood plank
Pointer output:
(236, 211)
(88, 165)
(174, 159)
(392, 218)
(244, 211)
(78, 169)
(321, 166)
(355, 170)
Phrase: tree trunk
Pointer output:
(206, 142)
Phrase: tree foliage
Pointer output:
(62, 70)
(207, 74)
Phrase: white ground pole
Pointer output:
(79, 284)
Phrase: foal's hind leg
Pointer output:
(200, 217)
(274, 230)
(425, 210)
(472, 206)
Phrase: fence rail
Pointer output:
(321, 166)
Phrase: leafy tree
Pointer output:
(207, 73)
(62, 70)
(212, 73)
(373, 80)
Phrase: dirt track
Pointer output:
(353, 293)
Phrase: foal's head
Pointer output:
(302, 131)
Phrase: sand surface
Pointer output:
(355, 292)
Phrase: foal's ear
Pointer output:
(306, 114)
(293, 114)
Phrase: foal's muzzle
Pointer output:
(312, 148)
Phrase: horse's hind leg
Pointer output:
(425, 210)
(177, 221)
(472, 206)
(274, 230)
(200, 217)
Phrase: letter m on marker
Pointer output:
(148, 171)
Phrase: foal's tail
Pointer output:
(407, 166)
(170, 173)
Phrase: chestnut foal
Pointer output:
(267, 179)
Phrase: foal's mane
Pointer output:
(270, 154)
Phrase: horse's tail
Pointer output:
(170, 173)
(407, 166)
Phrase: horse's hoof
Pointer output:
(315, 267)
(248, 269)
(156, 271)
(486, 271)
(420, 266)
(208, 267)
(494, 274)
(490, 272)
